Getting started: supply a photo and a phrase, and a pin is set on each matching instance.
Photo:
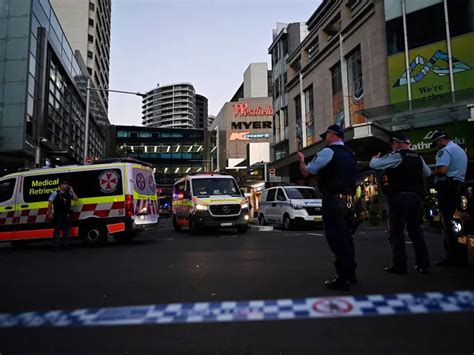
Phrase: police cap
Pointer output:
(400, 137)
(437, 135)
(336, 129)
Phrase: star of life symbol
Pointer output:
(151, 182)
(108, 181)
(141, 182)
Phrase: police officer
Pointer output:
(59, 209)
(335, 169)
(451, 165)
(403, 185)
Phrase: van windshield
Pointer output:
(215, 186)
(301, 194)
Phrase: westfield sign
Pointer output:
(243, 110)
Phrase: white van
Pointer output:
(290, 205)
(209, 200)
(115, 199)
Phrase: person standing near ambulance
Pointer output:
(59, 210)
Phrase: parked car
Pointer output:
(290, 205)
(463, 221)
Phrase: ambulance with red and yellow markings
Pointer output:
(114, 199)
(209, 200)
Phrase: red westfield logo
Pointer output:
(243, 110)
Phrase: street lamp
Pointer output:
(88, 90)
(38, 150)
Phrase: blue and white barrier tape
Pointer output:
(238, 311)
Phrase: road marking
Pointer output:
(316, 234)
(257, 310)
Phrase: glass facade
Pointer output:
(43, 87)
(173, 153)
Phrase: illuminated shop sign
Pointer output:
(246, 136)
(254, 125)
(243, 110)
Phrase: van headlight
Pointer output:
(201, 207)
(244, 205)
(297, 207)
(463, 203)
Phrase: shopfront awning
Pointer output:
(365, 140)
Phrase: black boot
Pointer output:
(338, 284)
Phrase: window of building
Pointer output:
(276, 90)
(298, 124)
(90, 54)
(309, 112)
(90, 38)
(333, 27)
(354, 73)
(336, 78)
(461, 17)
(313, 49)
(91, 6)
(424, 26)
(285, 45)
(91, 22)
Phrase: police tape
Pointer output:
(241, 311)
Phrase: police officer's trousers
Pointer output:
(406, 208)
(447, 189)
(336, 227)
(62, 223)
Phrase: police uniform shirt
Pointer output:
(393, 160)
(454, 157)
(62, 203)
(322, 159)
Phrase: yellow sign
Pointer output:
(429, 69)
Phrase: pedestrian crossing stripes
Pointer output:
(257, 310)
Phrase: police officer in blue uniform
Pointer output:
(335, 170)
(451, 166)
(403, 185)
(59, 209)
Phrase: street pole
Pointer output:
(38, 153)
(265, 173)
(86, 133)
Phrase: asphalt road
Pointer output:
(167, 267)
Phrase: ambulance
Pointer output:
(116, 198)
(209, 200)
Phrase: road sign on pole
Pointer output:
(88, 160)
(272, 172)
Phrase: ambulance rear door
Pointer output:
(144, 196)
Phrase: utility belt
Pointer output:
(448, 183)
(353, 219)
(348, 198)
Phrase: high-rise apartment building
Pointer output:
(202, 115)
(87, 26)
(170, 106)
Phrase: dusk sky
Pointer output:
(208, 43)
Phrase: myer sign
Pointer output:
(421, 138)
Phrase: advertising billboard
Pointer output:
(429, 69)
